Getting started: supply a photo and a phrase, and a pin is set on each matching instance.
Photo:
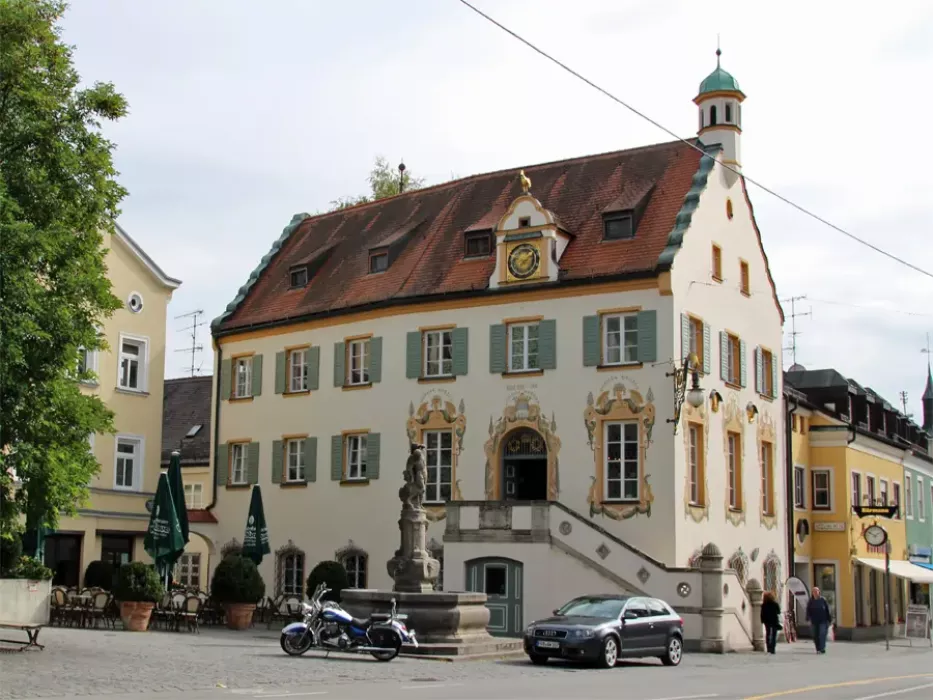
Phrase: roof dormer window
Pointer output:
(524, 222)
(618, 227)
(378, 261)
(298, 276)
(478, 245)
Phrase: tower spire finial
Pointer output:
(718, 50)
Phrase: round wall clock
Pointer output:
(875, 536)
(523, 261)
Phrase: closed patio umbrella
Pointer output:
(178, 493)
(164, 541)
(256, 539)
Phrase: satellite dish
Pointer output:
(797, 368)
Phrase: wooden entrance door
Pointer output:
(501, 580)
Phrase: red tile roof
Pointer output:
(430, 260)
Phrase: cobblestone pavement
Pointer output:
(83, 663)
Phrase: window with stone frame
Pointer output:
(356, 564)
(289, 571)
(771, 573)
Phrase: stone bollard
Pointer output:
(712, 641)
(753, 588)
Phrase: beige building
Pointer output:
(531, 329)
(129, 380)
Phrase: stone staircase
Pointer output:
(561, 554)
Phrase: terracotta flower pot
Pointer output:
(239, 615)
(135, 615)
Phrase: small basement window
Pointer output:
(618, 228)
(378, 262)
(478, 245)
(298, 276)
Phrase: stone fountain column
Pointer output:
(447, 624)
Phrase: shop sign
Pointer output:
(829, 527)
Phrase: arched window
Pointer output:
(728, 112)
(771, 573)
(712, 116)
(738, 562)
(289, 571)
(355, 564)
(701, 118)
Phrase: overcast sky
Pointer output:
(243, 113)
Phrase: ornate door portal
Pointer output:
(525, 466)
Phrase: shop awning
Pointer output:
(925, 566)
(901, 569)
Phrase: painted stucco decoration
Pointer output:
(767, 432)
(738, 562)
(771, 574)
(754, 555)
(732, 422)
(698, 512)
(350, 549)
(619, 404)
(521, 411)
(438, 412)
(643, 575)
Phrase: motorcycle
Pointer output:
(327, 626)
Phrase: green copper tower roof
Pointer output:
(719, 80)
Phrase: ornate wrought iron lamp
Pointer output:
(694, 396)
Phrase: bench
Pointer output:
(32, 633)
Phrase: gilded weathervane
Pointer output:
(526, 183)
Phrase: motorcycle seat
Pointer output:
(380, 617)
(360, 624)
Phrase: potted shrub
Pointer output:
(138, 589)
(99, 574)
(331, 573)
(237, 586)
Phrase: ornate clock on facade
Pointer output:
(524, 261)
(875, 536)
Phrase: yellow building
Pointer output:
(849, 447)
(129, 377)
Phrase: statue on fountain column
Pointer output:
(412, 568)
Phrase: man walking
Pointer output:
(820, 618)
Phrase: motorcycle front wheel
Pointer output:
(390, 643)
(295, 644)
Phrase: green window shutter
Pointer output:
(278, 460)
(336, 457)
(774, 376)
(222, 464)
(647, 336)
(340, 366)
(724, 356)
(460, 348)
(252, 463)
(311, 459)
(707, 349)
(257, 376)
(591, 341)
(498, 347)
(280, 372)
(226, 373)
(759, 373)
(684, 336)
(743, 374)
(413, 355)
(373, 453)
(547, 344)
(314, 367)
(375, 360)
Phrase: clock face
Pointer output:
(875, 536)
(523, 261)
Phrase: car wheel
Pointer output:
(609, 653)
(537, 659)
(675, 651)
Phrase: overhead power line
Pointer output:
(694, 146)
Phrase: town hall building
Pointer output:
(589, 349)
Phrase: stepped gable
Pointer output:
(426, 230)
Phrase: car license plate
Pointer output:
(549, 645)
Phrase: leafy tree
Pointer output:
(57, 197)
(383, 182)
(331, 573)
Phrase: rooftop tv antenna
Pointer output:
(794, 315)
(194, 348)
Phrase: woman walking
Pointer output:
(771, 619)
